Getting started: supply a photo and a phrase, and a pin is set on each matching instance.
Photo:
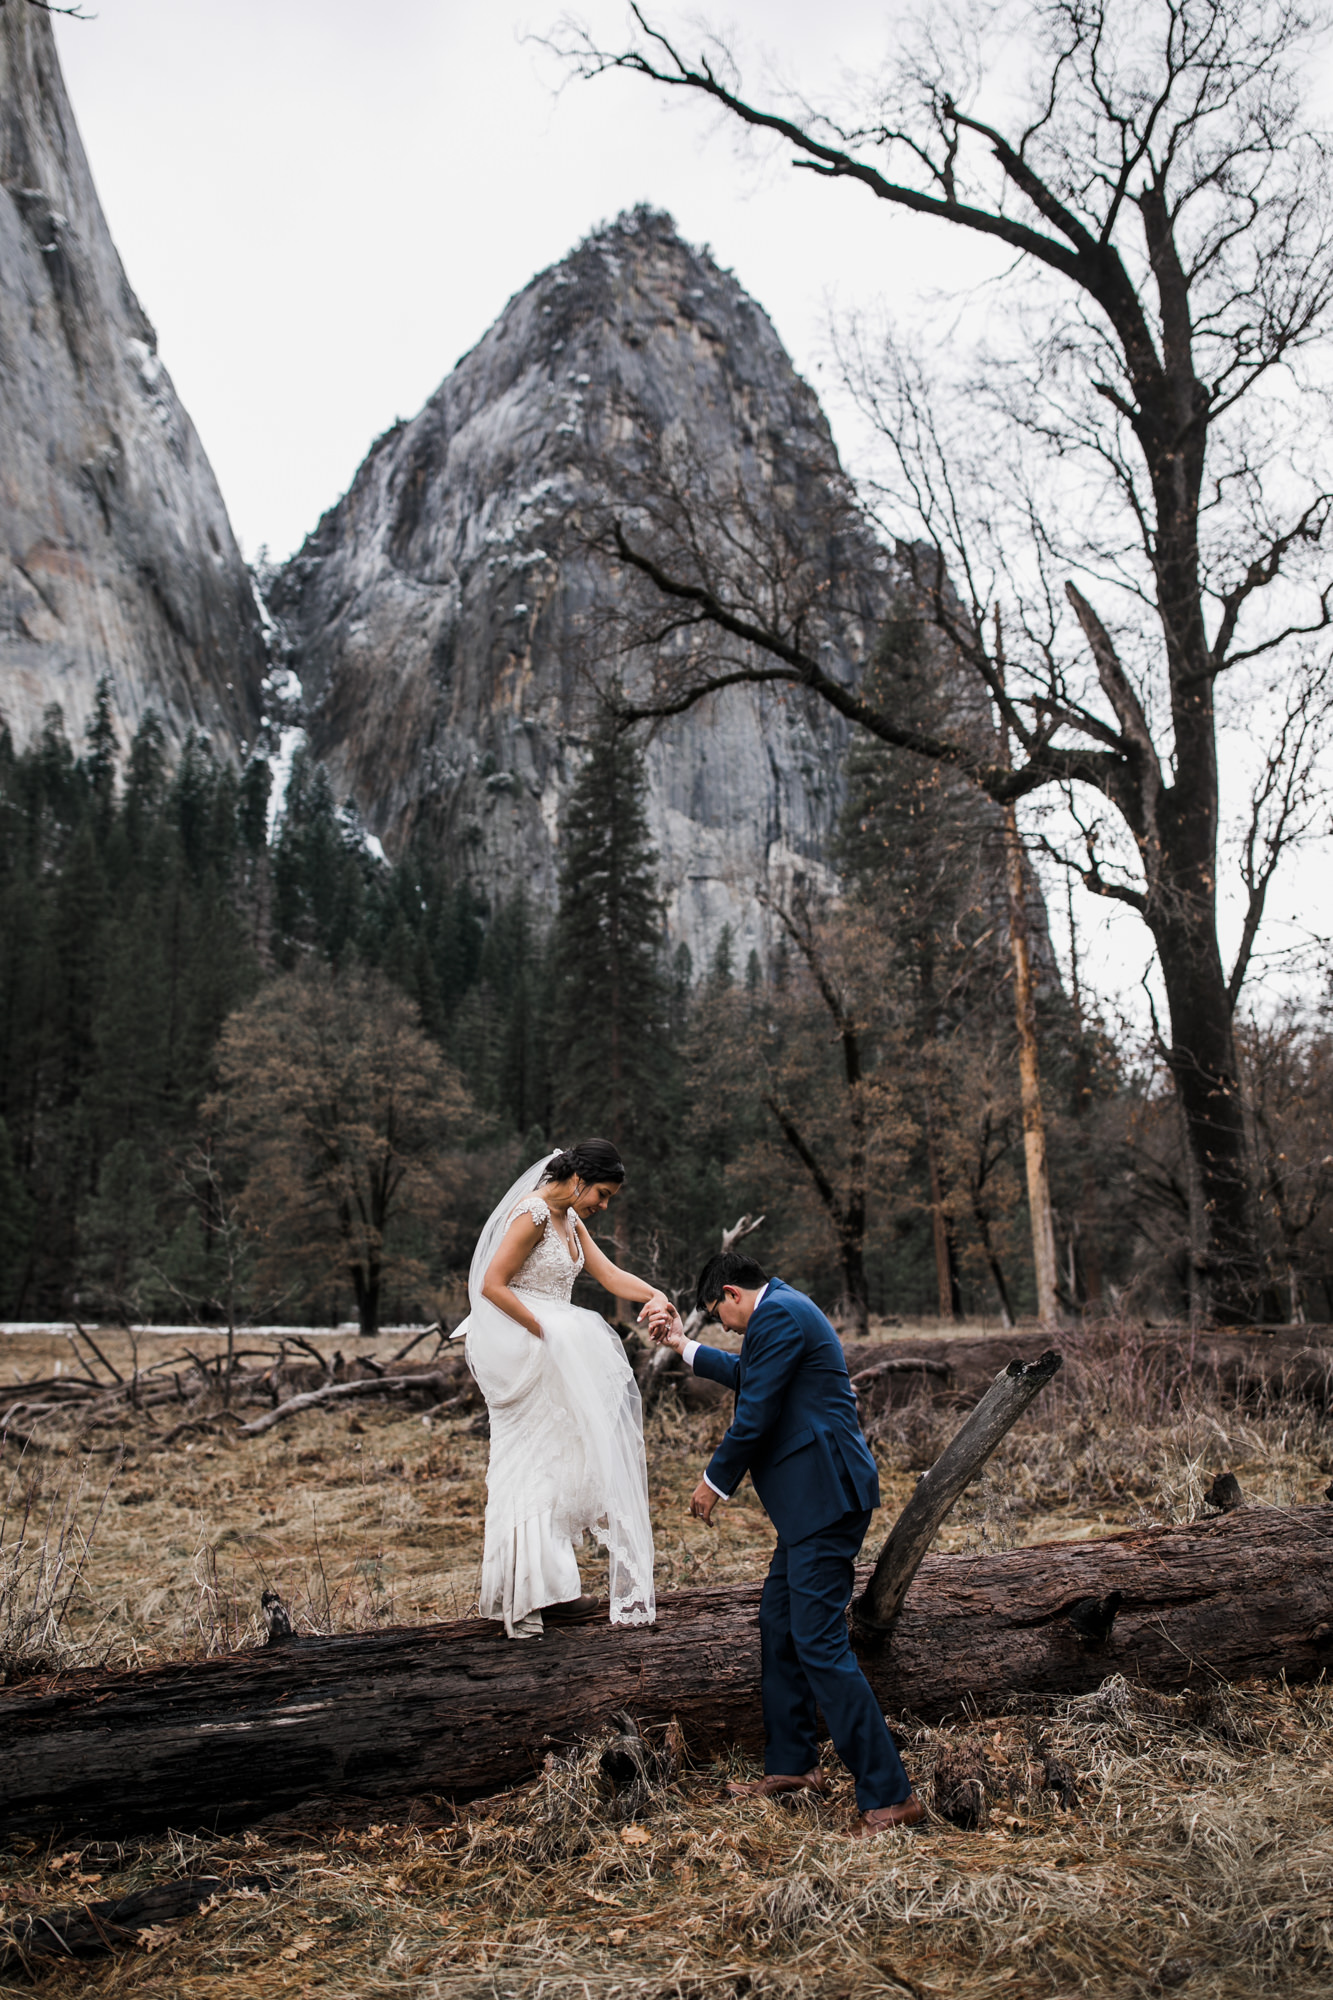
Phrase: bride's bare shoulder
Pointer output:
(534, 1209)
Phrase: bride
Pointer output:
(566, 1420)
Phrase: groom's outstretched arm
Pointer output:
(773, 1353)
(714, 1363)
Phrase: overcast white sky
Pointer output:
(322, 204)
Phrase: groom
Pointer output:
(795, 1431)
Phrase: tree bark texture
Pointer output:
(946, 1277)
(456, 1711)
(1003, 1404)
(1029, 1079)
(1206, 1071)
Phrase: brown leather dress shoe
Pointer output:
(775, 1784)
(882, 1819)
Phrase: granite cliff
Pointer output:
(442, 620)
(442, 617)
(116, 555)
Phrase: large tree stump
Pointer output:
(458, 1710)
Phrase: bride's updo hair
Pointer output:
(590, 1160)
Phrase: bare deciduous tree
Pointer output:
(345, 1112)
(1136, 476)
(1288, 1063)
(816, 1050)
(217, 1285)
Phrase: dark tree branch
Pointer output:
(1263, 570)
(805, 1154)
(1054, 764)
(1279, 812)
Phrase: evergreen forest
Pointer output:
(250, 1072)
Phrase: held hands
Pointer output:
(664, 1323)
(655, 1311)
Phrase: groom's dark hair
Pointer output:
(729, 1267)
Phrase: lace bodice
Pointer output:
(550, 1271)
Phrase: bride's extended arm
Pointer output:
(620, 1284)
(516, 1246)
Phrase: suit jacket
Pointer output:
(795, 1431)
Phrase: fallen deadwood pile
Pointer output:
(55, 1412)
(60, 1411)
(455, 1711)
(436, 1385)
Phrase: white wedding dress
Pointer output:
(566, 1435)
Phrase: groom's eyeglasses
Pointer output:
(710, 1314)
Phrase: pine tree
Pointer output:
(145, 779)
(611, 1057)
(100, 761)
(722, 971)
(456, 937)
(118, 1229)
(513, 971)
(15, 1226)
(320, 869)
(252, 806)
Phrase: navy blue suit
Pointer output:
(796, 1433)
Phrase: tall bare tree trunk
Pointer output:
(1086, 1236)
(1029, 1075)
(939, 1226)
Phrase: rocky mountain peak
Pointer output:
(439, 623)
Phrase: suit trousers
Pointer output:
(807, 1659)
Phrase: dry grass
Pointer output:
(1197, 1859)
(48, 1519)
(1195, 1854)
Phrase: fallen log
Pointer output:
(910, 1364)
(454, 1711)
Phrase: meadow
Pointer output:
(1125, 1842)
